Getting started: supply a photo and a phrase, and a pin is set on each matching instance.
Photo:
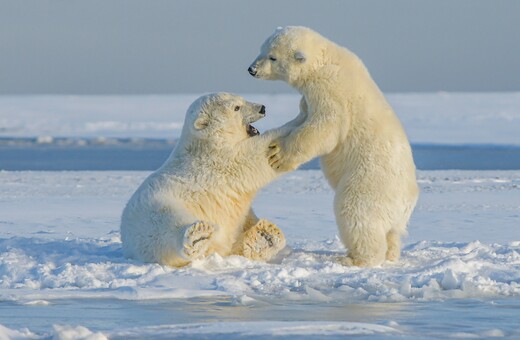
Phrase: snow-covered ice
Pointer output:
(59, 240)
(442, 118)
(63, 275)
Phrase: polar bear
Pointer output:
(345, 119)
(199, 201)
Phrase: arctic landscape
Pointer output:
(63, 274)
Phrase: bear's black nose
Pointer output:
(262, 110)
(252, 71)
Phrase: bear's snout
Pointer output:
(252, 70)
(262, 110)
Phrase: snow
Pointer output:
(244, 329)
(63, 275)
(68, 247)
(459, 118)
(7, 334)
(76, 333)
(77, 253)
(268, 329)
(443, 118)
(93, 116)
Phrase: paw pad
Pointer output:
(263, 241)
(197, 239)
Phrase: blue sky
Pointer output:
(183, 46)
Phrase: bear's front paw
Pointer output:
(277, 158)
(273, 153)
(196, 240)
(263, 241)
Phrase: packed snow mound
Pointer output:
(8, 334)
(34, 270)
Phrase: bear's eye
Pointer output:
(272, 58)
(237, 108)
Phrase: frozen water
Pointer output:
(428, 118)
(63, 276)
(68, 248)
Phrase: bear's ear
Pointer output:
(300, 56)
(201, 122)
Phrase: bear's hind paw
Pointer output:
(359, 262)
(263, 241)
(196, 240)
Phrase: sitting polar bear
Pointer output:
(346, 120)
(199, 201)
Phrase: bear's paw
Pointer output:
(263, 241)
(197, 239)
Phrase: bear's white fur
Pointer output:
(345, 119)
(199, 201)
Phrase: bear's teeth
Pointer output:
(252, 131)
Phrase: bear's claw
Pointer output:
(274, 155)
(278, 159)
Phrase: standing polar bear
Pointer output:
(199, 201)
(345, 119)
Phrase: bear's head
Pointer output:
(222, 118)
(289, 54)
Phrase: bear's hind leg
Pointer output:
(393, 241)
(196, 240)
(263, 241)
(366, 247)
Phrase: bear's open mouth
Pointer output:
(252, 131)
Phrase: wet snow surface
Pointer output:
(61, 264)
